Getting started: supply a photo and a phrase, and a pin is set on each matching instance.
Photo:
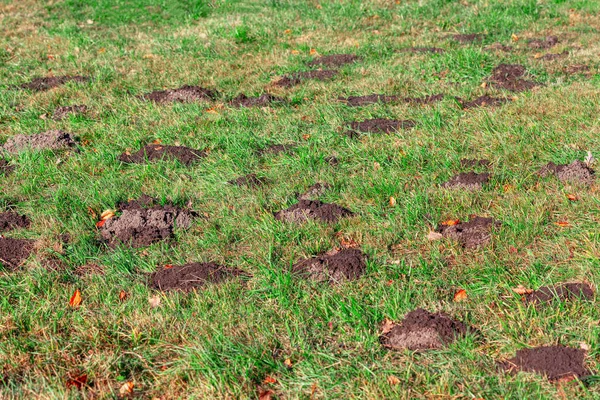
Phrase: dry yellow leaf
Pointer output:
(393, 380)
(461, 295)
(76, 299)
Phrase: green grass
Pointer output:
(222, 341)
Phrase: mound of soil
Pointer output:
(250, 180)
(468, 38)
(563, 292)
(577, 172)
(434, 98)
(357, 101)
(499, 47)
(139, 226)
(49, 140)
(433, 50)
(576, 69)
(379, 125)
(316, 190)
(277, 149)
(484, 101)
(263, 100)
(470, 234)
(312, 209)
(190, 276)
(50, 82)
(554, 56)
(467, 180)
(5, 167)
(333, 267)
(10, 220)
(184, 94)
(555, 362)
(510, 77)
(423, 330)
(295, 79)
(472, 163)
(543, 43)
(14, 251)
(335, 60)
(157, 152)
(65, 111)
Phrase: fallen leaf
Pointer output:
(313, 52)
(306, 136)
(513, 250)
(393, 380)
(90, 22)
(508, 188)
(101, 50)
(75, 300)
(584, 346)
(386, 326)
(287, 31)
(514, 38)
(154, 301)
(100, 223)
(434, 235)
(168, 266)
(563, 224)
(288, 363)
(126, 388)
(212, 111)
(269, 380)
(349, 243)
(451, 222)
(461, 295)
(483, 85)
(123, 295)
(91, 211)
(572, 197)
(537, 55)
(392, 201)
(295, 52)
(522, 290)
(107, 214)
(265, 394)
(77, 381)
(589, 159)
(157, 141)
(376, 166)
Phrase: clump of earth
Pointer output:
(13, 252)
(378, 125)
(263, 100)
(554, 56)
(563, 292)
(184, 94)
(49, 140)
(312, 209)
(511, 77)
(472, 234)
(334, 60)
(484, 101)
(191, 276)
(250, 180)
(5, 167)
(577, 172)
(467, 180)
(298, 77)
(576, 69)
(157, 152)
(554, 362)
(11, 220)
(543, 43)
(50, 82)
(64, 111)
(422, 330)
(142, 223)
(333, 267)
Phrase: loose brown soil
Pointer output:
(432, 50)
(65, 111)
(473, 163)
(315, 191)
(263, 100)
(190, 276)
(577, 172)
(157, 152)
(277, 149)
(555, 362)
(468, 38)
(554, 56)
(576, 69)
(11, 220)
(6, 168)
(335, 60)
(379, 125)
(312, 209)
(544, 43)
(250, 180)
(295, 79)
(423, 330)
(472, 234)
(484, 101)
(357, 101)
(184, 94)
(499, 47)
(50, 82)
(468, 181)
(334, 267)
(510, 77)
(140, 225)
(434, 98)
(562, 292)
(49, 140)
(14, 251)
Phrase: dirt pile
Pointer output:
(511, 77)
(64, 111)
(288, 81)
(555, 362)
(468, 38)
(312, 209)
(5, 167)
(333, 267)
(11, 220)
(190, 276)
(562, 292)
(483, 101)
(472, 234)
(543, 43)
(49, 140)
(14, 251)
(158, 152)
(263, 100)
(184, 94)
(468, 181)
(577, 172)
(50, 82)
(335, 60)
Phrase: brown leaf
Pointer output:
(265, 394)
(313, 52)
(392, 201)
(461, 295)
(92, 213)
(393, 380)
(522, 290)
(154, 301)
(107, 214)
(386, 326)
(123, 295)
(306, 136)
(288, 363)
(157, 141)
(75, 300)
(451, 222)
(572, 197)
(563, 224)
(126, 388)
(100, 223)
(269, 380)
(77, 381)
(168, 266)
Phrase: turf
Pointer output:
(269, 329)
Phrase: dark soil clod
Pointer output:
(263, 100)
(472, 234)
(499, 47)
(562, 292)
(49, 140)
(335, 60)
(434, 98)
(11, 220)
(184, 94)
(316, 190)
(333, 267)
(468, 38)
(6, 168)
(576, 69)
(250, 180)
(423, 330)
(46, 83)
(142, 224)
(484, 101)
(473, 163)
(14, 251)
(577, 172)
(312, 209)
(379, 125)
(555, 362)
(510, 77)
(554, 56)
(277, 149)
(544, 43)
(190, 276)
(157, 152)
(468, 181)
(65, 111)
(296, 78)
(432, 50)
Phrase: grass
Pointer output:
(223, 341)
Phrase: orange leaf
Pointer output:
(306, 136)
(100, 223)
(157, 141)
(563, 224)
(75, 300)
(287, 31)
(123, 295)
(451, 222)
(168, 266)
(392, 201)
(265, 394)
(461, 295)
(269, 380)
(313, 52)
(78, 381)
(572, 197)
(288, 363)
(295, 52)
(393, 380)
(126, 388)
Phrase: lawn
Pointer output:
(133, 269)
